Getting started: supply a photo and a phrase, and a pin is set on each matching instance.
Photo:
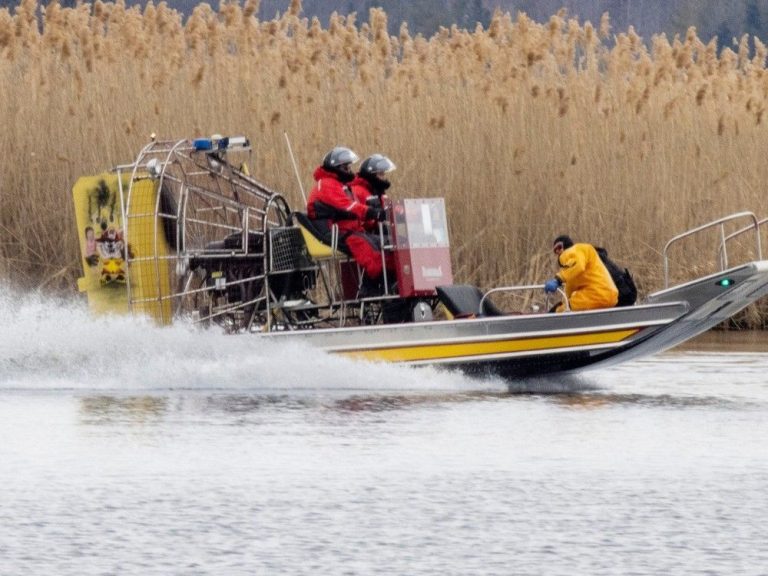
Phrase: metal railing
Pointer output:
(520, 289)
(733, 235)
(722, 251)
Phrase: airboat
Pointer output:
(185, 233)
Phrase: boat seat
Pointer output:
(320, 236)
(216, 253)
(463, 301)
(215, 245)
(235, 242)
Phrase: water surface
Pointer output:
(128, 449)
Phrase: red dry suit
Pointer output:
(362, 189)
(332, 199)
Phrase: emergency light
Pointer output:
(218, 142)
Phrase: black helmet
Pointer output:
(339, 156)
(564, 241)
(375, 164)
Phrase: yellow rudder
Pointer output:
(99, 218)
(149, 258)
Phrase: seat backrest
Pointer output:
(235, 242)
(463, 301)
(317, 240)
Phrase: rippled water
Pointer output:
(127, 449)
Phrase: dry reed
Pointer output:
(527, 129)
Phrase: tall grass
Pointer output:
(527, 129)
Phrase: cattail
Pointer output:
(728, 61)
(761, 52)
(669, 108)
(743, 60)
(295, 8)
(197, 78)
(643, 100)
(605, 26)
(700, 94)
(6, 28)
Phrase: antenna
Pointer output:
(295, 168)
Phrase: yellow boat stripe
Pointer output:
(444, 351)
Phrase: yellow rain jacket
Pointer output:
(588, 283)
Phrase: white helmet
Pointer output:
(375, 164)
(338, 157)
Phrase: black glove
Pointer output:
(377, 214)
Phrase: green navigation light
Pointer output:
(725, 282)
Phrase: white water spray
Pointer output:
(57, 344)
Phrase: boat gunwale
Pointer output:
(503, 337)
(491, 320)
(755, 266)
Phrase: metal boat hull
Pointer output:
(507, 346)
(537, 344)
(711, 304)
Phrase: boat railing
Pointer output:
(520, 289)
(722, 250)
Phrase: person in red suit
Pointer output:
(370, 185)
(333, 199)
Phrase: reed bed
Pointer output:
(527, 129)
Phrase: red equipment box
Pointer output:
(422, 250)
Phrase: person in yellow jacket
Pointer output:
(588, 284)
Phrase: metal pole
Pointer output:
(295, 168)
(724, 261)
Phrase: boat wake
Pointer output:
(50, 344)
